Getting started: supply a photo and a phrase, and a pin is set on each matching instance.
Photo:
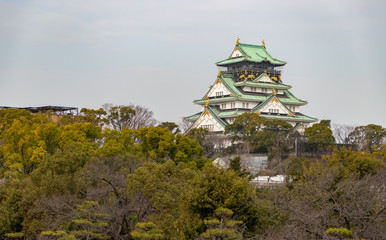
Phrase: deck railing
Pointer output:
(250, 69)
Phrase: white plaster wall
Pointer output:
(275, 105)
(207, 119)
(265, 78)
(293, 108)
(236, 53)
(218, 87)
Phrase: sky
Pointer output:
(162, 54)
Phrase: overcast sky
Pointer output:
(161, 53)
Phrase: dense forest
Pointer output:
(117, 173)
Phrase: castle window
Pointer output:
(274, 110)
(253, 89)
(232, 105)
(208, 126)
(218, 94)
(245, 105)
(223, 106)
(264, 90)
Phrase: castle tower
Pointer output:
(249, 81)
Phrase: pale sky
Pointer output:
(161, 53)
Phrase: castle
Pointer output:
(249, 81)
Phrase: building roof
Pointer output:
(44, 108)
(262, 85)
(286, 98)
(252, 53)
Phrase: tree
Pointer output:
(87, 223)
(332, 193)
(147, 231)
(367, 138)
(25, 139)
(120, 116)
(235, 165)
(143, 117)
(198, 134)
(341, 132)
(222, 227)
(246, 128)
(159, 144)
(156, 191)
(213, 188)
(209, 141)
(319, 136)
(135, 118)
(97, 117)
(185, 126)
(275, 138)
(173, 127)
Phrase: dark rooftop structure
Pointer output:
(60, 110)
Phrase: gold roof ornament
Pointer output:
(219, 73)
(263, 44)
(274, 92)
(238, 41)
(207, 103)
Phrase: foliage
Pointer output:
(158, 188)
(319, 136)
(171, 126)
(214, 188)
(79, 178)
(246, 127)
(339, 232)
(329, 193)
(86, 223)
(147, 231)
(222, 227)
(235, 165)
(198, 134)
(367, 138)
(256, 133)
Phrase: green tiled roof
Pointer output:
(193, 117)
(263, 85)
(297, 118)
(253, 53)
(215, 113)
(287, 99)
(230, 85)
(297, 127)
(215, 100)
(233, 113)
(261, 105)
(292, 99)
(231, 60)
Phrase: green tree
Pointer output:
(367, 138)
(319, 136)
(147, 231)
(156, 191)
(96, 117)
(222, 227)
(332, 193)
(275, 138)
(120, 116)
(198, 134)
(213, 188)
(235, 165)
(87, 223)
(173, 127)
(246, 128)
